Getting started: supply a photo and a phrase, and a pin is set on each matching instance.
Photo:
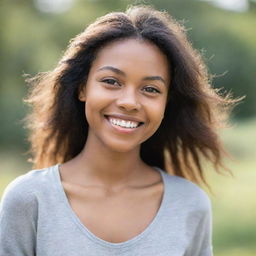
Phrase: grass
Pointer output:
(12, 165)
(233, 201)
(233, 198)
(234, 211)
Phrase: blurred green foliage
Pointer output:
(233, 198)
(33, 41)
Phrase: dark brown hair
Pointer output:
(58, 127)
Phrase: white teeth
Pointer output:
(123, 123)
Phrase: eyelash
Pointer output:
(152, 89)
(111, 81)
(107, 81)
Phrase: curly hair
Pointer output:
(194, 110)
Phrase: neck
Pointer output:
(99, 164)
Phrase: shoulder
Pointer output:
(22, 190)
(187, 192)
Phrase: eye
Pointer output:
(150, 89)
(110, 81)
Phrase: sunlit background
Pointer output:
(34, 34)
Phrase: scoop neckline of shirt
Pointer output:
(99, 240)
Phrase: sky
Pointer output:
(60, 6)
(232, 5)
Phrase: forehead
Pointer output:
(131, 54)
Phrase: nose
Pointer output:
(128, 100)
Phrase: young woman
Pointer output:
(129, 100)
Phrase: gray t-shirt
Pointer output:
(37, 219)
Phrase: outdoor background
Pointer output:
(34, 35)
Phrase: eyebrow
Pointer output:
(155, 78)
(120, 72)
(115, 70)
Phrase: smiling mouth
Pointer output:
(128, 124)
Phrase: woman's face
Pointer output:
(126, 94)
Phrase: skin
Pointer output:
(129, 80)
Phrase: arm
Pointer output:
(18, 213)
(201, 243)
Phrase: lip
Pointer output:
(124, 117)
(120, 129)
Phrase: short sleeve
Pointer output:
(201, 243)
(18, 214)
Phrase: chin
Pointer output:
(122, 147)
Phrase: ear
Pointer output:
(82, 94)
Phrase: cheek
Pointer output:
(91, 109)
(159, 108)
(158, 116)
(95, 104)
(156, 113)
